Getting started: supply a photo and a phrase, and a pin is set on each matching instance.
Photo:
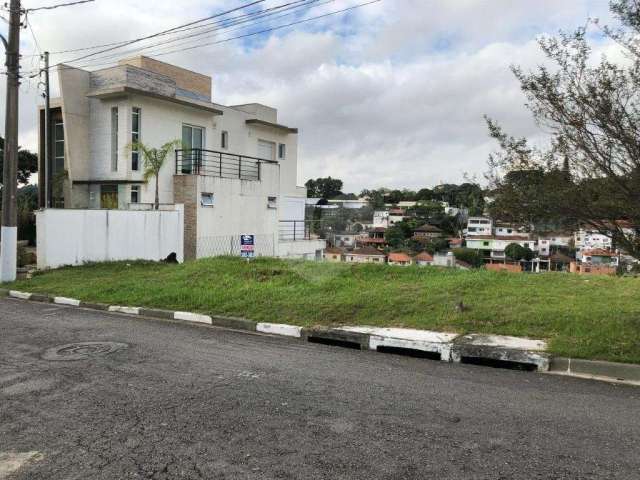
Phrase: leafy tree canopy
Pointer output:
(324, 187)
(590, 172)
(27, 163)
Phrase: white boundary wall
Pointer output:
(74, 237)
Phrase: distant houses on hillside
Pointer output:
(499, 245)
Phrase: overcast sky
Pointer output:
(391, 94)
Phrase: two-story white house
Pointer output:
(479, 226)
(236, 172)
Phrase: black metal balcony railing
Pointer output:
(295, 230)
(218, 164)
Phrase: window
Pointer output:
(206, 199)
(135, 137)
(114, 139)
(193, 142)
(58, 138)
(266, 150)
(135, 194)
(272, 202)
(485, 244)
(282, 151)
(224, 139)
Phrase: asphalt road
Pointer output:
(198, 402)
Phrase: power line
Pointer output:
(101, 61)
(206, 33)
(166, 31)
(125, 42)
(271, 29)
(51, 7)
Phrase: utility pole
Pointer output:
(9, 227)
(47, 135)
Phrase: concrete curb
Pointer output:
(408, 340)
(596, 369)
(498, 349)
(335, 336)
(279, 329)
(494, 350)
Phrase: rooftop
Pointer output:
(424, 257)
(399, 257)
(368, 252)
(598, 252)
(428, 228)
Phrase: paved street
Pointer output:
(182, 401)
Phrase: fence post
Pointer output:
(220, 164)
(176, 161)
(240, 167)
(295, 227)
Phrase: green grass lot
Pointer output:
(594, 317)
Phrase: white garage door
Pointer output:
(266, 150)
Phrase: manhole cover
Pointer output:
(81, 351)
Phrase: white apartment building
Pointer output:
(479, 226)
(494, 246)
(589, 240)
(508, 230)
(381, 219)
(236, 173)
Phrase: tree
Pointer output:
(590, 172)
(324, 187)
(153, 160)
(376, 197)
(469, 255)
(27, 163)
(517, 252)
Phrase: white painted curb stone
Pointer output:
(129, 310)
(279, 329)
(66, 301)
(192, 317)
(21, 295)
(515, 343)
(424, 340)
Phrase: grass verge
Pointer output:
(593, 317)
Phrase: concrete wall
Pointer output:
(240, 207)
(307, 249)
(73, 237)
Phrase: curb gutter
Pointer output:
(493, 350)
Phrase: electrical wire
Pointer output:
(206, 34)
(52, 7)
(104, 60)
(137, 40)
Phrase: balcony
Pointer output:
(213, 163)
(297, 230)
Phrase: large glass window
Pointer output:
(114, 139)
(193, 143)
(135, 137)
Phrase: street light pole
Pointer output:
(9, 226)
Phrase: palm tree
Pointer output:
(153, 160)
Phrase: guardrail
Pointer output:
(213, 163)
(295, 230)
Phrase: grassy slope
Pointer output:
(590, 317)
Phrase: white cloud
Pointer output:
(393, 94)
